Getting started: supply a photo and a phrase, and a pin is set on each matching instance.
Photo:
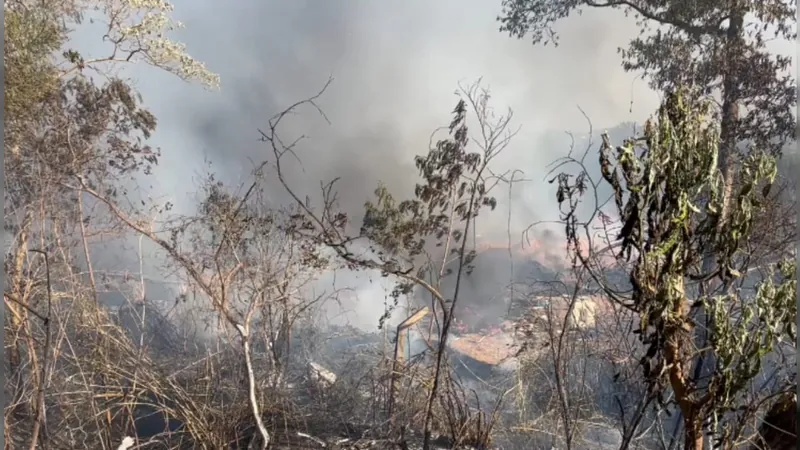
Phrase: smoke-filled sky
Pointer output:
(396, 66)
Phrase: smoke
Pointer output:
(396, 66)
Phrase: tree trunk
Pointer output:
(727, 150)
(779, 428)
(693, 433)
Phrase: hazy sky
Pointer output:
(396, 66)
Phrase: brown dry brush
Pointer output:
(557, 351)
(576, 373)
(251, 275)
(98, 378)
(70, 128)
(64, 348)
(63, 379)
(74, 377)
(204, 395)
(458, 417)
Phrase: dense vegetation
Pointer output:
(681, 237)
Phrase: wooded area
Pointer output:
(670, 325)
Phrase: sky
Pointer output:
(395, 66)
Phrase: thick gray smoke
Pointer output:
(396, 66)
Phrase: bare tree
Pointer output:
(237, 257)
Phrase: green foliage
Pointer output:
(401, 227)
(741, 345)
(82, 131)
(668, 195)
(30, 37)
(65, 129)
(451, 194)
(699, 43)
